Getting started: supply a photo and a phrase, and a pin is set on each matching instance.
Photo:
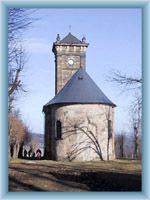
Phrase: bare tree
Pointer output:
(120, 145)
(109, 128)
(19, 20)
(26, 140)
(19, 135)
(136, 143)
(133, 83)
(127, 82)
(136, 113)
(34, 143)
(16, 135)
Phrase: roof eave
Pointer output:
(72, 103)
(70, 44)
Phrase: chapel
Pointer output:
(79, 120)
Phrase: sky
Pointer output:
(114, 37)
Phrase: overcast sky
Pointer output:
(114, 36)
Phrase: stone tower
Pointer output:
(79, 120)
(70, 55)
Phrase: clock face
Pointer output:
(70, 62)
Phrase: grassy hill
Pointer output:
(44, 175)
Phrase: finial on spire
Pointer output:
(70, 28)
(83, 39)
(58, 38)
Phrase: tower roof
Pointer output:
(70, 39)
(80, 89)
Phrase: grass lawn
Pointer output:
(46, 175)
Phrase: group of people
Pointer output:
(32, 154)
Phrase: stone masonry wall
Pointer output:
(62, 69)
(84, 133)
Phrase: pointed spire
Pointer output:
(70, 39)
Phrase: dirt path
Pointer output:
(62, 176)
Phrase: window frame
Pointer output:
(58, 128)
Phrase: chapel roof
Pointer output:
(80, 89)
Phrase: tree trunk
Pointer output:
(17, 150)
(14, 154)
(20, 153)
(122, 146)
(108, 149)
(9, 152)
(136, 146)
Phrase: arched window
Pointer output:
(58, 130)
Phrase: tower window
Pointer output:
(58, 130)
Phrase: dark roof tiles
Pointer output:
(80, 89)
(70, 39)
